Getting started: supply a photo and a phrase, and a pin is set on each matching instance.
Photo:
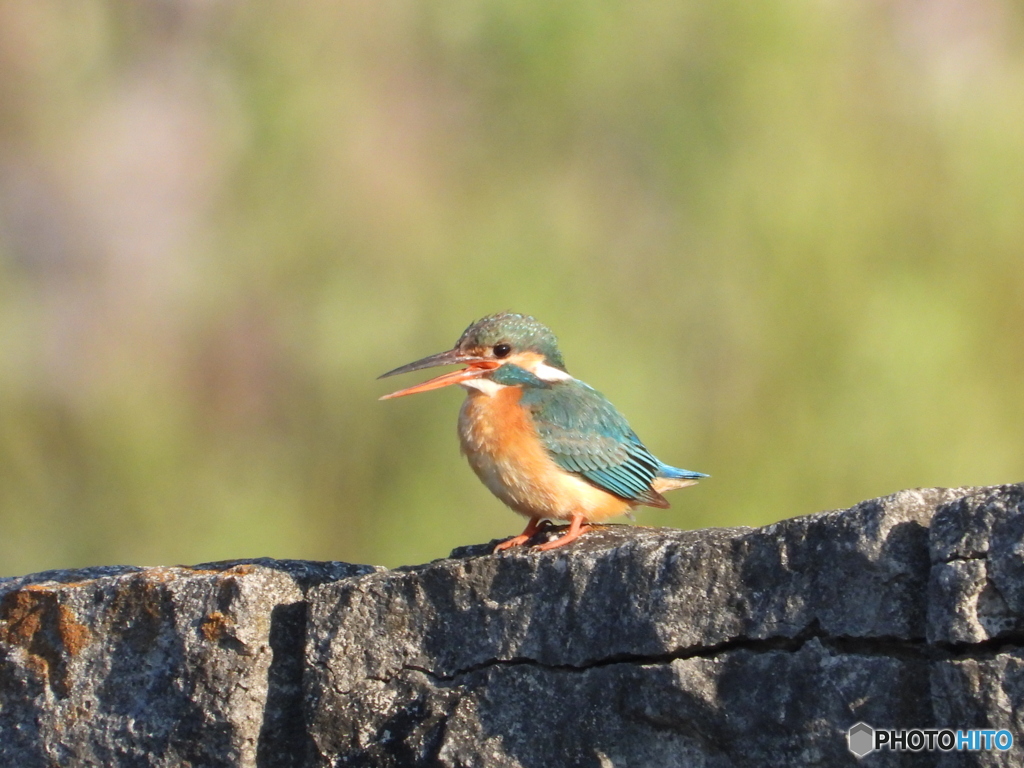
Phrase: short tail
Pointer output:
(673, 478)
(674, 473)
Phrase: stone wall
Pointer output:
(633, 647)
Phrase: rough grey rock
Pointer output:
(168, 667)
(632, 647)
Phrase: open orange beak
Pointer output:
(478, 366)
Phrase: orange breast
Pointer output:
(499, 439)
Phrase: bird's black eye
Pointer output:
(502, 350)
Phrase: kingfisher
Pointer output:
(546, 444)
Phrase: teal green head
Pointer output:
(488, 344)
(508, 334)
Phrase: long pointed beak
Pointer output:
(478, 366)
(451, 357)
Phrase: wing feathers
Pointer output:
(584, 433)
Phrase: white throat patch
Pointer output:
(486, 386)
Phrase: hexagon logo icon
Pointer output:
(861, 739)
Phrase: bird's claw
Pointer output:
(561, 541)
(515, 541)
(576, 529)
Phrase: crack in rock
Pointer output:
(917, 648)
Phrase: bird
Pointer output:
(546, 444)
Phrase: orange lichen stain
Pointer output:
(73, 635)
(20, 617)
(33, 618)
(161, 574)
(45, 588)
(215, 626)
(38, 664)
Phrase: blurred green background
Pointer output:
(786, 238)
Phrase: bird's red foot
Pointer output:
(576, 529)
(515, 541)
(522, 538)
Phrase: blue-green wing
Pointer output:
(585, 434)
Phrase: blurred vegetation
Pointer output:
(785, 238)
